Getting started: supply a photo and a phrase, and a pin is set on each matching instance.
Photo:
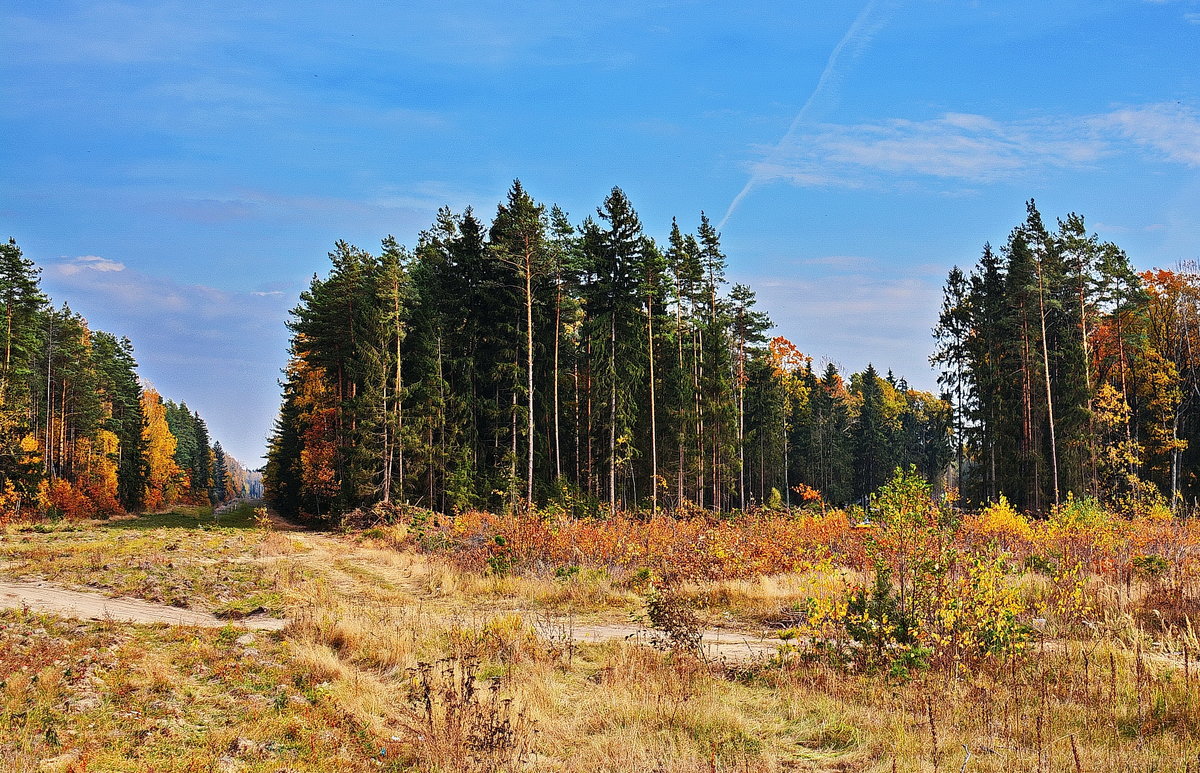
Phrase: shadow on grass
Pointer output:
(241, 517)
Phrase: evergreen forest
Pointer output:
(1071, 374)
(587, 366)
(532, 361)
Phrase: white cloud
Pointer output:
(89, 263)
(1171, 129)
(977, 149)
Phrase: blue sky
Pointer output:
(180, 169)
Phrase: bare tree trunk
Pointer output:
(512, 470)
(1034, 485)
(441, 432)
(697, 380)
(529, 368)
(1046, 372)
(680, 433)
(7, 352)
(575, 375)
(1087, 380)
(612, 415)
(49, 466)
(653, 416)
(592, 479)
(398, 435)
(741, 424)
(787, 488)
(387, 449)
(1175, 452)
(557, 332)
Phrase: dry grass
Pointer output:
(180, 558)
(402, 661)
(102, 697)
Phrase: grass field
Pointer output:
(429, 645)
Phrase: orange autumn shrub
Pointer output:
(910, 530)
(673, 548)
(69, 502)
(104, 503)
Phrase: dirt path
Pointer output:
(387, 577)
(728, 646)
(47, 597)
(371, 576)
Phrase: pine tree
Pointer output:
(220, 475)
(614, 253)
(871, 437)
(749, 328)
(518, 239)
(23, 299)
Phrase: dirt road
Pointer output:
(371, 576)
(47, 597)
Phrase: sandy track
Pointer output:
(47, 597)
(729, 646)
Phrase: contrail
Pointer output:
(856, 39)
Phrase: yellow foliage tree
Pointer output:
(166, 481)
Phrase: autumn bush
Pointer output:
(70, 503)
(922, 538)
(696, 548)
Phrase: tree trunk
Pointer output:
(741, 424)
(681, 433)
(529, 370)
(1046, 372)
(49, 462)
(612, 414)
(398, 434)
(653, 417)
(387, 450)
(697, 381)
(557, 331)
(7, 352)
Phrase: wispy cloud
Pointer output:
(977, 149)
(1171, 129)
(89, 263)
(412, 205)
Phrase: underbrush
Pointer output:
(1058, 644)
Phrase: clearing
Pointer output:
(171, 642)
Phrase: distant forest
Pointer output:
(80, 434)
(588, 367)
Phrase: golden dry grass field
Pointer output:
(431, 646)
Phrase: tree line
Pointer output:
(1071, 373)
(80, 434)
(533, 361)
